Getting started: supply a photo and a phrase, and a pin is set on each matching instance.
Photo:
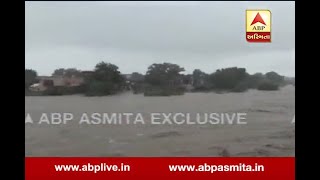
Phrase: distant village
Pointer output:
(160, 80)
(44, 83)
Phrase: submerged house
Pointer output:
(45, 82)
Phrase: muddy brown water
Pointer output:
(269, 130)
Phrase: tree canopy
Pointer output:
(67, 72)
(106, 79)
(228, 78)
(163, 74)
(30, 77)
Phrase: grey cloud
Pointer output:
(147, 32)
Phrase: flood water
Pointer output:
(269, 130)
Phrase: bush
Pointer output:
(240, 87)
(275, 77)
(201, 89)
(100, 88)
(61, 90)
(228, 78)
(137, 88)
(268, 86)
(54, 91)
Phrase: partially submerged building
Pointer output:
(45, 82)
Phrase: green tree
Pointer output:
(228, 78)
(165, 74)
(67, 72)
(105, 80)
(164, 80)
(72, 72)
(254, 80)
(199, 77)
(275, 77)
(30, 77)
(107, 72)
(58, 72)
(137, 77)
(137, 82)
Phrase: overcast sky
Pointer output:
(133, 35)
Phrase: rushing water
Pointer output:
(269, 130)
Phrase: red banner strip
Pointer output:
(160, 168)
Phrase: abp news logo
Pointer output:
(258, 26)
